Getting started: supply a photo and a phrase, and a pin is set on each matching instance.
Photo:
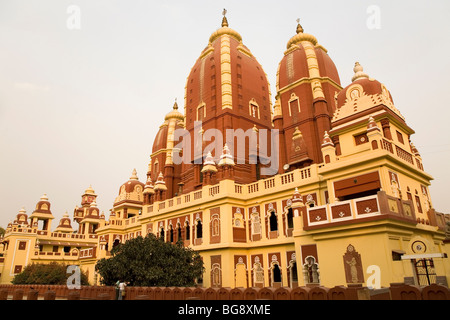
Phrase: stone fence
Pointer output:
(397, 291)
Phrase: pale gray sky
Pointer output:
(81, 107)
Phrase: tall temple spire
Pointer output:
(299, 27)
(224, 20)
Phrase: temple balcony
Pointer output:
(366, 209)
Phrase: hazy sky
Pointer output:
(81, 107)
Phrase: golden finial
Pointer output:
(358, 70)
(224, 20)
(299, 27)
(134, 175)
(175, 105)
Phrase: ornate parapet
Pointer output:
(375, 207)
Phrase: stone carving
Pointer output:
(353, 266)
(311, 270)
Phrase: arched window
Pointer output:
(171, 233)
(276, 272)
(201, 112)
(294, 275)
(290, 218)
(161, 233)
(254, 111)
(294, 108)
(273, 221)
(199, 229)
(179, 235)
(187, 230)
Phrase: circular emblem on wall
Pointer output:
(418, 247)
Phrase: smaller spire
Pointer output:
(359, 74)
(89, 190)
(175, 105)
(226, 158)
(209, 165)
(327, 140)
(134, 175)
(149, 186)
(224, 19)
(372, 125)
(44, 197)
(160, 183)
(297, 197)
(209, 159)
(299, 27)
(149, 182)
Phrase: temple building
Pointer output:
(320, 186)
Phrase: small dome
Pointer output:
(174, 114)
(22, 217)
(294, 64)
(362, 94)
(163, 142)
(130, 185)
(160, 141)
(42, 207)
(89, 190)
(131, 190)
(224, 30)
(65, 224)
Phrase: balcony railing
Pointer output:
(287, 180)
(379, 205)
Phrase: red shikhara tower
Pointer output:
(227, 89)
(307, 83)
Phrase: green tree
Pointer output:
(151, 262)
(50, 274)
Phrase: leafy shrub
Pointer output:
(150, 262)
(49, 274)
